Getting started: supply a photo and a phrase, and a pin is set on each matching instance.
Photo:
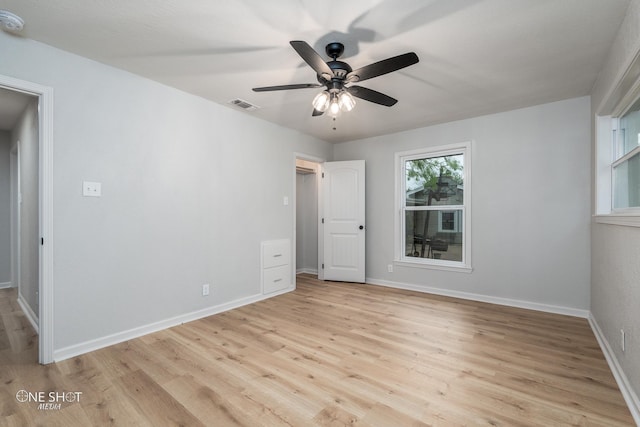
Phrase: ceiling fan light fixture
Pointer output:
(346, 101)
(334, 106)
(321, 101)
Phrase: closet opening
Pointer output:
(306, 214)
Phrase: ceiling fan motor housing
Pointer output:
(334, 50)
(340, 69)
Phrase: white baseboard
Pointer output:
(568, 311)
(623, 382)
(5, 285)
(29, 314)
(306, 271)
(106, 341)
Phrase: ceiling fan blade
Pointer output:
(371, 95)
(287, 87)
(382, 67)
(316, 113)
(312, 58)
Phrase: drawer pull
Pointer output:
(277, 255)
(277, 280)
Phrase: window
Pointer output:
(433, 197)
(617, 156)
(447, 221)
(618, 164)
(626, 160)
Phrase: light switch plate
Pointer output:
(91, 189)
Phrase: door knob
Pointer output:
(361, 227)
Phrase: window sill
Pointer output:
(433, 266)
(617, 219)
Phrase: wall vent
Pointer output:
(243, 104)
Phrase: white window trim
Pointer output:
(438, 151)
(630, 220)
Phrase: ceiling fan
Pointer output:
(335, 75)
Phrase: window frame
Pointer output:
(607, 128)
(400, 257)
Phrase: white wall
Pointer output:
(615, 285)
(189, 189)
(299, 222)
(5, 209)
(26, 133)
(530, 205)
(306, 223)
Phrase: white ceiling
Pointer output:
(476, 56)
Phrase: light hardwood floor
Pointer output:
(327, 354)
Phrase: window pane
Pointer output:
(434, 181)
(626, 193)
(443, 231)
(628, 134)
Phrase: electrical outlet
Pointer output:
(622, 340)
(390, 268)
(205, 289)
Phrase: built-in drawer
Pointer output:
(276, 278)
(275, 253)
(276, 265)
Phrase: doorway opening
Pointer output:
(307, 184)
(26, 257)
(19, 221)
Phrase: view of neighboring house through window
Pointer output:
(626, 165)
(433, 206)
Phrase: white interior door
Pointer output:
(344, 227)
